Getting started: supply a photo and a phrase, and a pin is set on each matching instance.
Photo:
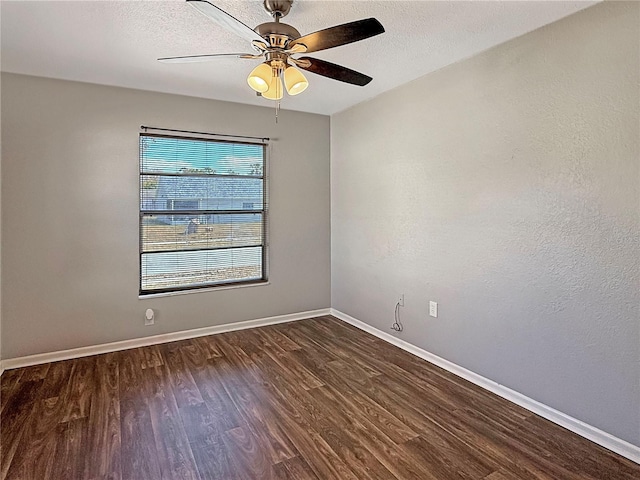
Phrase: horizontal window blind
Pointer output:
(203, 213)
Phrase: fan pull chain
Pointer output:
(277, 95)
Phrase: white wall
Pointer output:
(507, 188)
(0, 225)
(70, 214)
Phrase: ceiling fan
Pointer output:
(277, 43)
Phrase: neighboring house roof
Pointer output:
(208, 187)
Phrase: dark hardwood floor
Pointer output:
(314, 399)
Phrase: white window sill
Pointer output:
(202, 290)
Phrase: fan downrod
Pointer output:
(278, 8)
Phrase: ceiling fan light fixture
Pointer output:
(277, 42)
(275, 91)
(260, 78)
(295, 81)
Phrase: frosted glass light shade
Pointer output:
(275, 91)
(295, 81)
(260, 78)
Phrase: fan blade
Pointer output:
(206, 58)
(225, 20)
(336, 72)
(340, 35)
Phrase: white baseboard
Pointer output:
(617, 445)
(154, 340)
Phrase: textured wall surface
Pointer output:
(0, 225)
(507, 188)
(70, 214)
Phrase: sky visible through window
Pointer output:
(171, 155)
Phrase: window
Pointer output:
(202, 213)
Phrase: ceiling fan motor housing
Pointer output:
(278, 34)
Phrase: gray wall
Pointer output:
(0, 222)
(70, 214)
(507, 188)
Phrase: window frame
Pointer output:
(204, 212)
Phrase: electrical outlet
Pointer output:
(401, 300)
(149, 317)
(433, 309)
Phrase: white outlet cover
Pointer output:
(433, 309)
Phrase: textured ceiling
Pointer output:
(118, 42)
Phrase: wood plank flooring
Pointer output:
(313, 399)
